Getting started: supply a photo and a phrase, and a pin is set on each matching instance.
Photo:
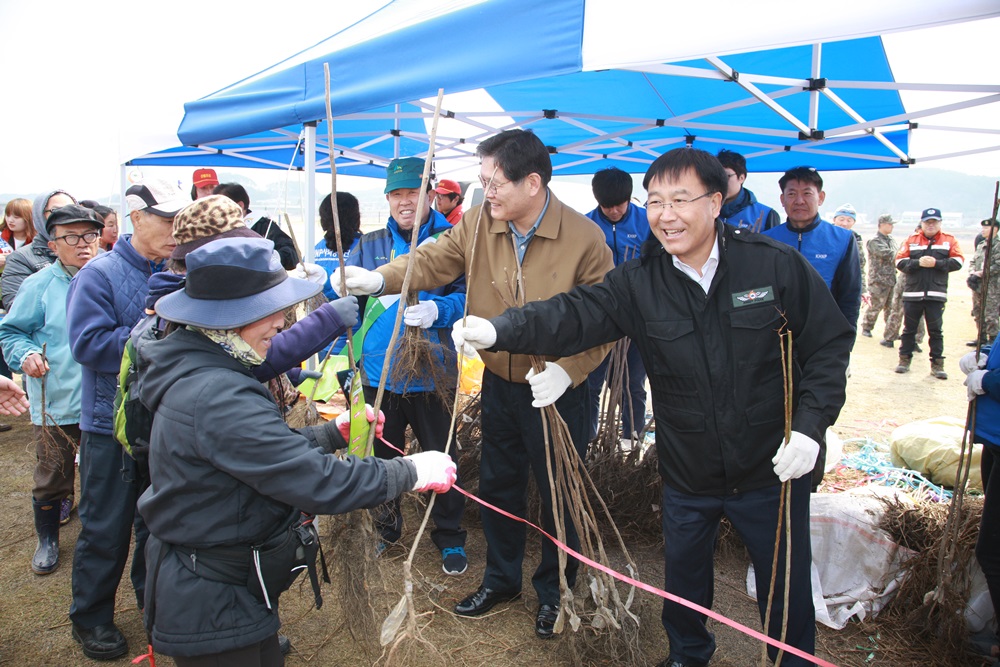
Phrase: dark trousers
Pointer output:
(513, 447)
(4, 368)
(690, 527)
(430, 419)
(633, 400)
(108, 493)
(55, 464)
(262, 654)
(933, 313)
(988, 543)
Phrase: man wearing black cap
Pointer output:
(926, 258)
(36, 344)
(106, 299)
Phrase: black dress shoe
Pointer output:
(103, 642)
(545, 621)
(483, 600)
(677, 663)
(284, 644)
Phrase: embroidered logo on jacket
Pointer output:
(751, 297)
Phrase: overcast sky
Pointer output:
(82, 81)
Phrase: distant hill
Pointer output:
(871, 192)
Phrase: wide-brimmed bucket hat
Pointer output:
(231, 283)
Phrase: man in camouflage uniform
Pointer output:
(881, 274)
(895, 319)
(987, 329)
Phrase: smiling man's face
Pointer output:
(688, 232)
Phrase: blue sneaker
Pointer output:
(454, 561)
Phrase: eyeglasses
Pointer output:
(494, 187)
(657, 206)
(74, 239)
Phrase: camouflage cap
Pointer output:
(208, 219)
(886, 219)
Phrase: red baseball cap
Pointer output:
(204, 177)
(446, 187)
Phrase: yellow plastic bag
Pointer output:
(328, 384)
(471, 381)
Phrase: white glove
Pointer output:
(548, 385)
(796, 457)
(422, 315)
(476, 334)
(314, 273)
(360, 282)
(974, 384)
(969, 363)
(435, 471)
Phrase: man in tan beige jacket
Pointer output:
(526, 232)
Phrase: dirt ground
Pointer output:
(34, 627)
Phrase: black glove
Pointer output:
(974, 282)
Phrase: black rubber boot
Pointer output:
(46, 558)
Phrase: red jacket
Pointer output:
(929, 284)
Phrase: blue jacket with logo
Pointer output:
(833, 252)
(988, 404)
(744, 212)
(328, 260)
(626, 236)
(381, 247)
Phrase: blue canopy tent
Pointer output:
(597, 86)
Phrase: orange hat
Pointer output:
(204, 177)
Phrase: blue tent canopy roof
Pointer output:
(596, 100)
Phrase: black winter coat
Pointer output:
(283, 243)
(714, 360)
(227, 471)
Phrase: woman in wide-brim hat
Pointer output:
(226, 472)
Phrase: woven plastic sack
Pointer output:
(932, 448)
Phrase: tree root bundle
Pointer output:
(935, 621)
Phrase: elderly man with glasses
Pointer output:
(522, 232)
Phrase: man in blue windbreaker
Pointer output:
(413, 400)
(625, 226)
(830, 249)
(740, 208)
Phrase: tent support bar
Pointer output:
(949, 128)
(817, 52)
(926, 87)
(310, 202)
(973, 151)
(904, 117)
(757, 93)
(698, 73)
(846, 108)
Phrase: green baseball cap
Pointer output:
(404, 172)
